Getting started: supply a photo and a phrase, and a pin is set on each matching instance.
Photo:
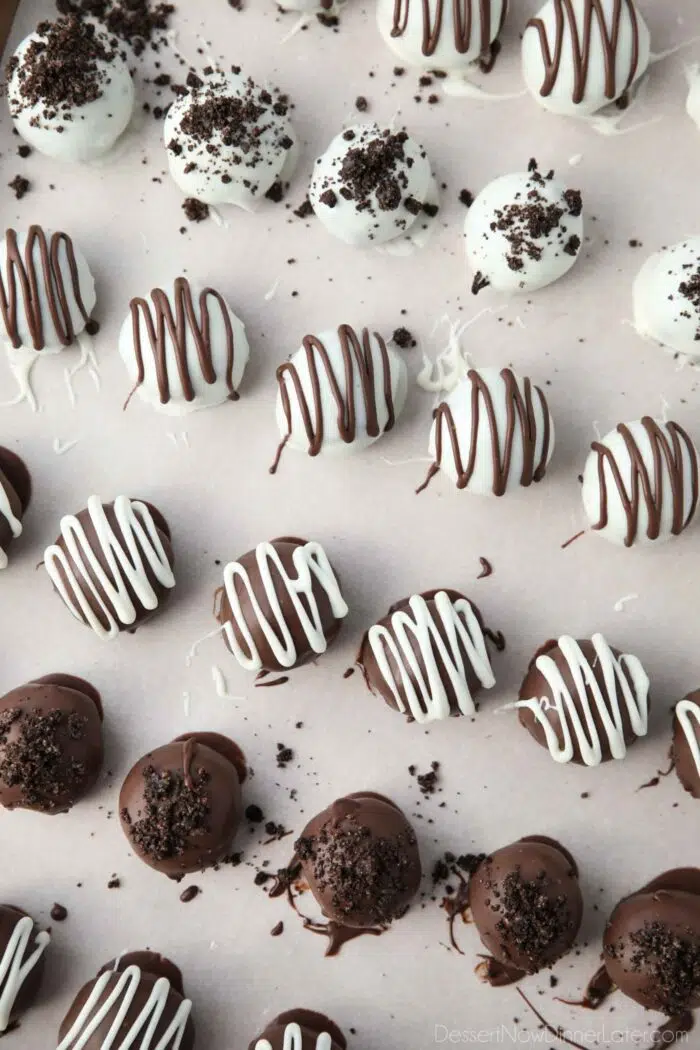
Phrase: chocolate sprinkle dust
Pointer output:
(531, 920)
(34, 759)
(690, 290)
(403, 339)
(173, 812)
(60, 70)
(672, 962)
(135, 21)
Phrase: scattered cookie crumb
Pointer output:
(189, 894)
(361, 104)
(304, 210)
(20, 186)
(196, 211)
(403, 339)
(277, 929)
(466, 197)
(59, 913)
(284, 756)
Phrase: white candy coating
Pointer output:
(261, 152)
(329, 418)
(14, 969)
(644, 475)
(538, 232)
(363, 221)
(667, 298)
(74, 133)
(500, 424)
(46, 291)
(625, 683)
(166, 371)
(607, 51)
(440, 34)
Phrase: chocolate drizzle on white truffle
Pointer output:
(468, 27)
(340, 390)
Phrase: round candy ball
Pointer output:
(580, 55)
(651, 943)
(230, 141)
(15, 496)
(112, 564)
(584, 701)
(667, 298)
(686, 742)
(136, 993)
(50, 743)
(372, 185)
(184, 348)
(69, 90)
(492, 433)
(526, 903)
(280, 605)
(22, 948)
(360, 858)
(181, 804)
(432, 34)
(339, 392)
(640, 482)
(523, 232)
(428, 658)
(300, 1029)
(47, 292)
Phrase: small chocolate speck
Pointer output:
(59, 913)
(277, 929)
(403, 338)
(189, 894)
(254, 814)
(361, 104)
(114, 883)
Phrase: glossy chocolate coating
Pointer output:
(651, 943)
(376, 681)
(152, 966)
(181, 804)
(285, 547)
(311, 1024)
(17, 483)
(683, 759)
(526, 903)
(360, 858)
(29, 990)
(536, 685)
(50, 743)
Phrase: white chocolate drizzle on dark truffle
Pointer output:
(22, 954)
(344, 386)
(641, 482)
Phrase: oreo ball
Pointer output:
(22, 947)
(15, 496)
(302, 1030)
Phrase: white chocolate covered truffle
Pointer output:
(47, 292)
(667, 298)
(230, 141)
(441, 34)
(640, 483)
(69, 90)
(492, 433)
(373, 185)
(581, 55)
(523, 232)
(339, 392)
(184, 348)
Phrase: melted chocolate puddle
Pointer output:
(338, 935)
(497, 974)
(597, 991)
(262, 683)
(557, 1032)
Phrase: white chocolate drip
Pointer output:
(13, 971)
(14, 522)
(625, 680)
(120, 999)
(293, 1040)
(81, 580)
(310, 563)
(686, 711)
(420, 672)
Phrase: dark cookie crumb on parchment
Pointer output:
(195, 211)
(20, 186)
(403, 338)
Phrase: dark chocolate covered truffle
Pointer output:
(280, 605)
(146, 992)
(50, 743)
(302, 1030)
(526, 904)
(686, 742)
(112, 564)
(584, 701)
(22, 948)
(181, 805)
(360, 858)
(429, 658)
(651, 943)
(15, 495)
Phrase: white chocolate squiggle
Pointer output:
(311, 564)
(13, 970)
(686, 711)
(625, 682)
(420, 673)
(78, 574)
(293, 1040)
(140, 1035)
(14, 522)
